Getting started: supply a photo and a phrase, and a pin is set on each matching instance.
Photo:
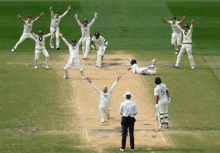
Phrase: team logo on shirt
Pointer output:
(185, 32)
(40, 39)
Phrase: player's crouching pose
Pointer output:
(143, 70)
(28, 24)
(101, 46)
(186, 45)
(105, 99)
(54, 26)
(40, 47)
(85, 27)
(162, 100)
(74, 56)
(176, 35)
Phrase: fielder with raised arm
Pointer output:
(186, 45)
(85, 27)
(40, 47)
(162, 100)
(101, 46)
(74, 56)
(54, 26)
(150, 70)
(105, 99)
(28, 25)
(176, 35)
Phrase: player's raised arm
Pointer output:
(191, 27)
(90, 81)
(51, 11)
(179, 28)
(49, 34)
(113, 86)
(77, 20)
(35, 36)
(79, 42)
(182, 19)
(66, 42)
(164, 20)
(37, 18)
(20, 17)
(93, 20)
(65, 13)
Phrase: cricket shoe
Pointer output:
(83, 77)
(166, 125)
(84, 58)
(51, 46)
(58, 48)
(193, 67)
(177, 52)
(133, 149)
(36, 67)
(154, 61)
(65, 77)
(122, 149)
(103, 120)
(46, 66)
(13, 50)
(176, 66)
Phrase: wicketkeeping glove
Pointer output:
(96, 14)
(93, 47)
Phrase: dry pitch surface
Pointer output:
(86, 101)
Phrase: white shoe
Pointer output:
(122, 149)
(13, 50)
(51, 46)
(176, 66)
(36, 67)
(103, 120)
(65, 77)
(192, 67)
(83, 77)
(46, 66)
(133, 149)
(153, 61)
(177, 52)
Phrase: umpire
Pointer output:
(128, 110)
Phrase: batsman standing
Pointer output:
(162, 99)
(28, 25)
(176, 35)
(105, 99)
(54, 26)
(85, 27)
(186, 45)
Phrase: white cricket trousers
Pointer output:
(23, 37)
(39, 51)
(104, 111)
(74, 62)
(85, 46)
(188, 48)
(163, 111)
(176, 39)
(57, 29)
(100, 53)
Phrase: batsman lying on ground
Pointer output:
(143, 70)
(105, 99)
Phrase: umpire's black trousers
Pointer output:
(127, 123)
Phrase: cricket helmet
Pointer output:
(186, 26)
(158, 80)
(174, 18)
(133, 62)
(57, 12)
(40, 32)
(72, 41)
(85, 20)
(29, 16)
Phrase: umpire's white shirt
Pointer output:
(128, 108)
(28, 26)
(40, 41)
(105, 98)
(160, 91)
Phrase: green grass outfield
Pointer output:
(36, 115)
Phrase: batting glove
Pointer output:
(93, 47)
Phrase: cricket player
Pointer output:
(186, 45)
(176, 35)
(105, 99)
(74, 56)
(28, 25)
(162, 100)
(85, 27)
(54, 26)
(101, 46)
(143, 70)
(40, 47)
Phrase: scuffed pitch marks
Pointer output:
(26, 131)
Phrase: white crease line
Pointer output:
(162, 137)
(87, 136)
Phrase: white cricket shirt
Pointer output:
(128, 108)
(56, 21)
(99, 42)
(40, 41)
(28, 26)
(160, 91)
(86, 29)
(175, 26)
(187, 35)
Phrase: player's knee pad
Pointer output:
(166, 118)
(161, 118)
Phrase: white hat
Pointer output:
(128, 93)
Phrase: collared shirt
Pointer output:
(160, 91)
(86, 29)
(99, 42)
(128, 108)
(28, 26)
(40, 41)
(175, 26)
(56, 21)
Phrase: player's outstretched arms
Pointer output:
(96, 15)
(79, 42)
(20, 17)
(119, 77)
(164, 20)
(129, 68)
(51, 8)
(182, 19)
(49, 34)
(89, 80)
(65, 13)
(66, 42)
(69, 8)
(192, 21)
(93, 20)
(37, 18)
(35, 36)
